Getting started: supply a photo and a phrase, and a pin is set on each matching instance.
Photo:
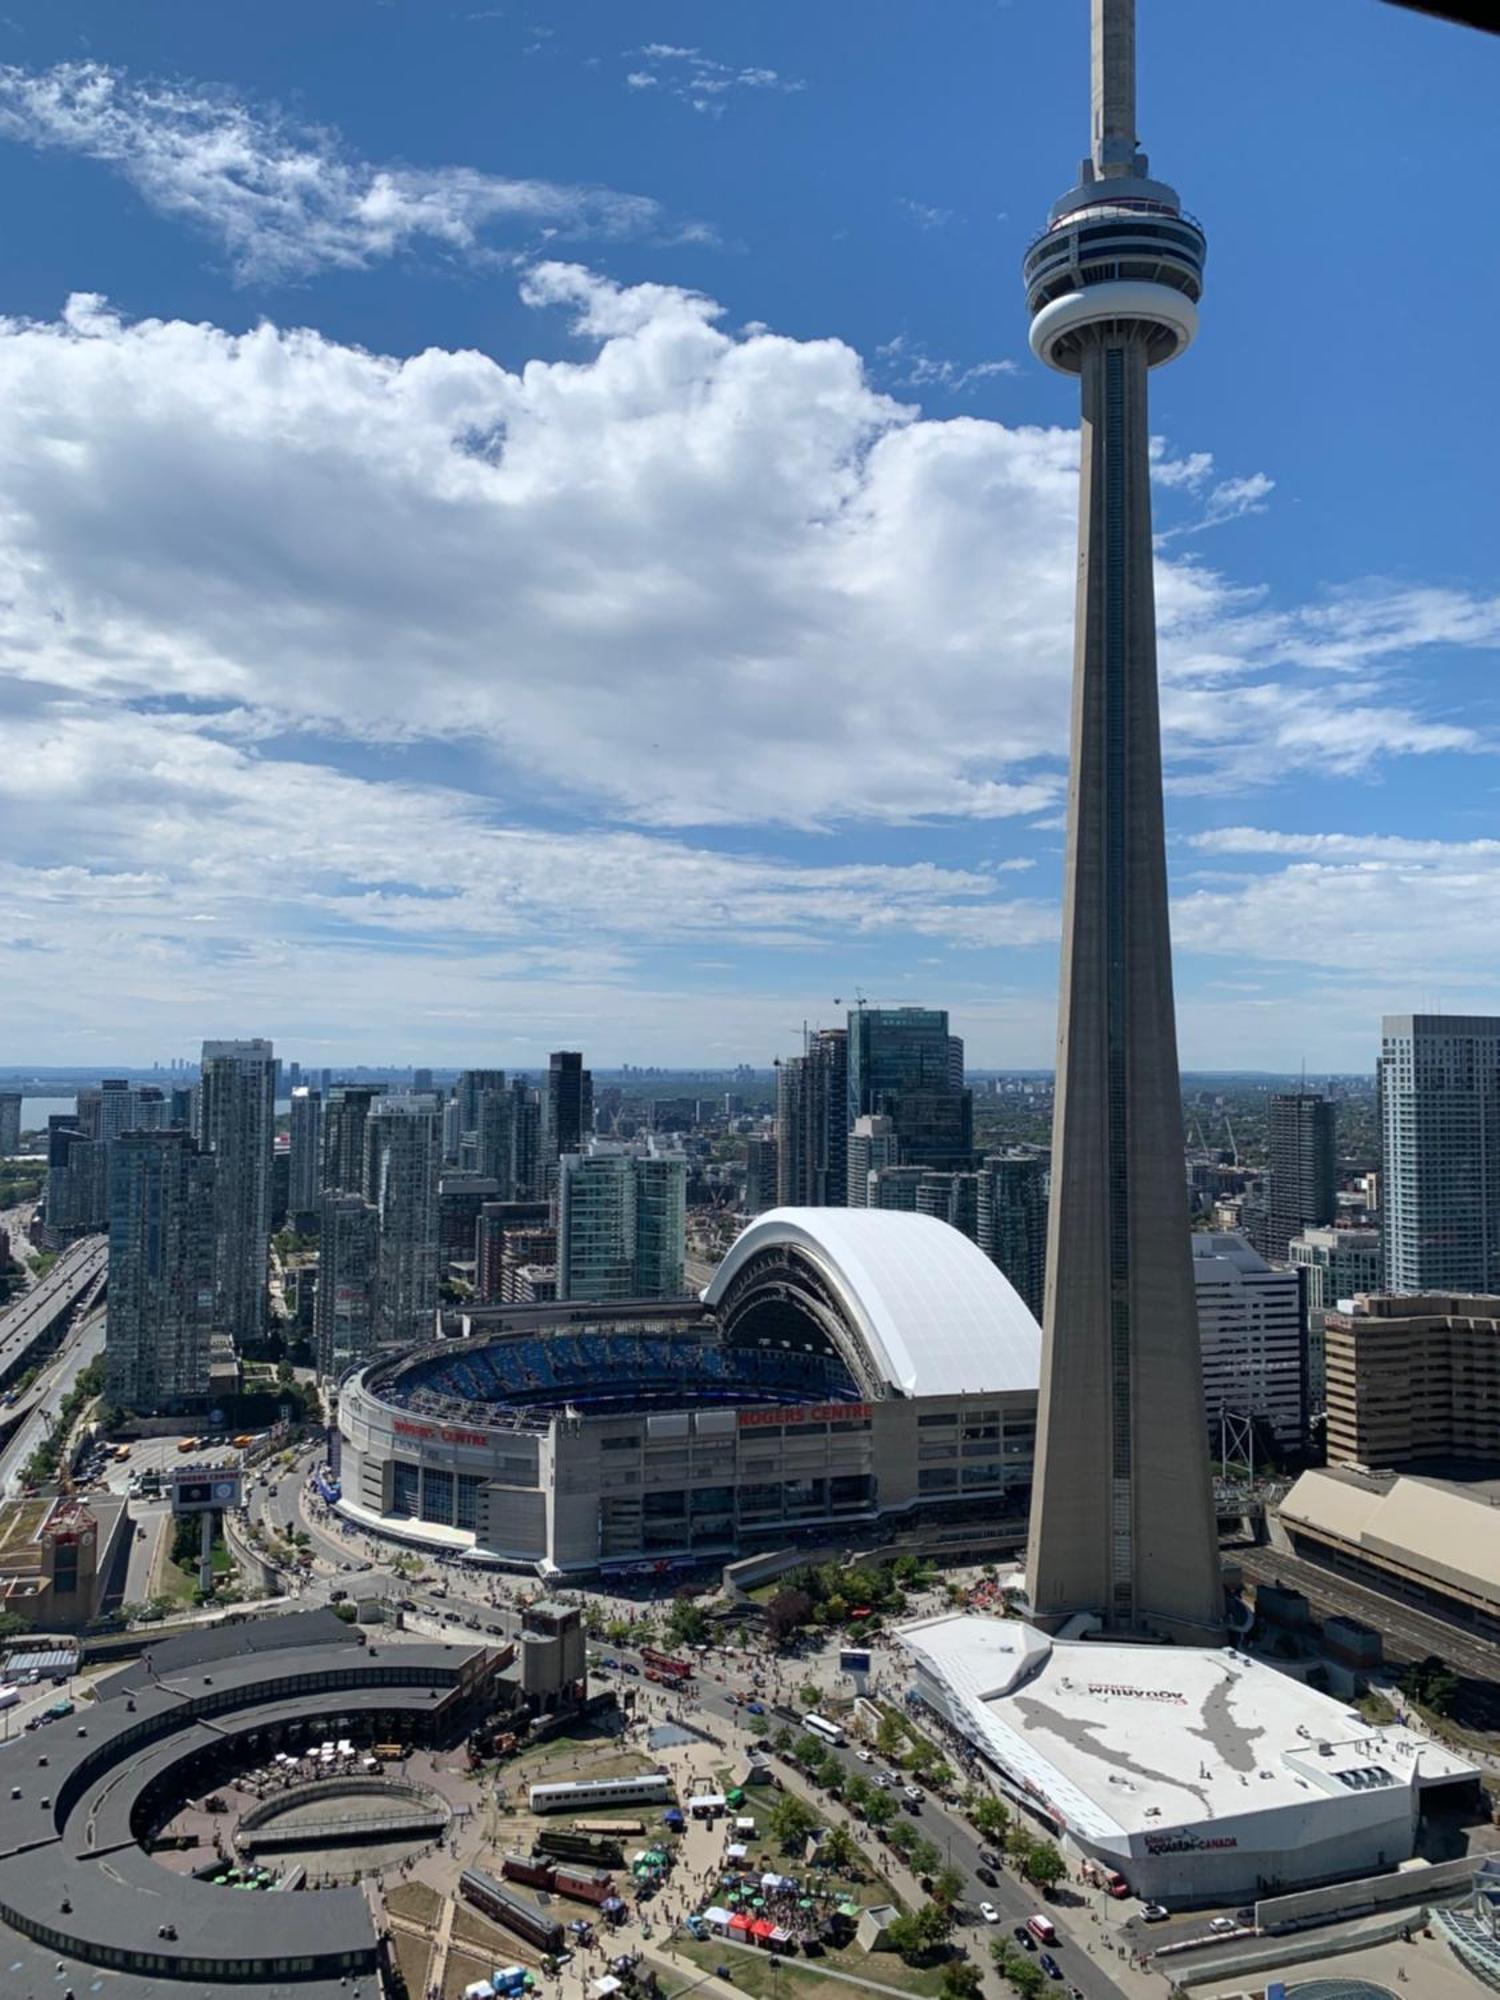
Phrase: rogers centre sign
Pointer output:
(405, 1428)
(821, 1413)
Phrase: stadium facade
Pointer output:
(844, 1367)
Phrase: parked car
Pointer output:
(1222, 1926)
(1154, 1913)
(989, 1913)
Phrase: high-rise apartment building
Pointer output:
(812, 1123)
(1302, 1160)
(1250, 1327)
(1013, 1221)
(872, 1145)
(346, 1112)
(162, 1264)
(952, 1198)
(760, 1175)
(344, 1308)
(10, 1123)
(1334, 1265)
(305, 1168)
(901, 1063)
(1440, 1152)
(403, 1158)
(1122, 1522)
(567, 1106)
(237, 1114)
(660, 1224)
(486, 1143)
(894, 1188)
(620, 1225)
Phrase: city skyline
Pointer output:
(722, 789)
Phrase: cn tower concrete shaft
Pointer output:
(1122, 1523)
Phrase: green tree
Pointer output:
(839, 1851)
(810, 1750)
(881, 1810)
(782, 1740)
(947, 1886)
(961, 1980)
(903, 1836)
(890, 1736)
(1018, 1845)
(936, 1923)
(687, 1623)
(924, 1855)
(791, 1822)
(758, 1726)
(991, 1817)
(1044, 1865)
(903, 1934)
(809, 1696)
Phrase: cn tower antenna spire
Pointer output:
(1113, 140)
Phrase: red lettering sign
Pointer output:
(411, 1430)
(823, 1413)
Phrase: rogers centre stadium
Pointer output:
(844, 1366)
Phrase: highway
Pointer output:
(83, 1343)
(79, 1267)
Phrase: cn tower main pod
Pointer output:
(1122, 1524)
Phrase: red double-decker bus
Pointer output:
(662, 1667)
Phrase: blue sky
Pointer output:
(531, 526)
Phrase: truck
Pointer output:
(9, 1696)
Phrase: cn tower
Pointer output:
(1122, 1518)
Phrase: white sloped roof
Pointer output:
(938, 1318)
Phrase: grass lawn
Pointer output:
(770, 1978)
(416, 1900)
(412, 1955)
(462, 1970)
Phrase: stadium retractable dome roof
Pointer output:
(911, 1305)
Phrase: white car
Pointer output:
(990, 1914)
(1154, 1913)
(863, 1757)
(1222, 1926)
(884, 1780)
(914, 1794)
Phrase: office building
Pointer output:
(500, 1228)
(1250, 1330)
(1440, 1152)
(660, 1225)
(346, 1113)
(1334, 1264)
(10, 1123)
(527, 1178)
(894, 1189)
(901, 1064)
(760, 1175)
(152, 1112)
(163, 1249)
(1413, 1381)
(1012, 1230)
(567, 1106)
(305, 1165)
(952, 1198)
(344, 1308)
(237, 1115)
(872, 1145)
(812, 1123)
(403, 1157)
(461, 1200)
(1123, 1522)
(621, 1222)
(1303, 1191)
(421, 1080)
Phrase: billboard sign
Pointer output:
(198, 1488)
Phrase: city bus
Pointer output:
(189, 1444)
(648, 1788)
(666, 1670)
(830, 1732)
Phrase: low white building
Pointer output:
(1250, 1327)
(1197, 1772)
